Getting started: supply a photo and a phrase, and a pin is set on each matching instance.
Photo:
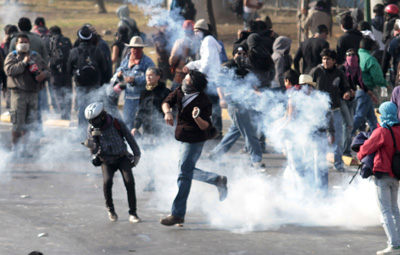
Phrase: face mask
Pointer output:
(188, 88)
(22, 47)
(242, 61)
(199, 35)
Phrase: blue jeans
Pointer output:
(189, 153)
(387, 189)
(347, 109)
(241, 125)
(129, 111)
(364, 110)
(338, 144)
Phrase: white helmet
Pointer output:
(93, 110)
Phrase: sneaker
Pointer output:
(171, 220)
(112, 215)
(244, 150)
(134, 218)
(389, 250)
(222, 188)
(259, 166)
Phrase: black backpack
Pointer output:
(237, 7)
(60, 48)
(87, 73)
(396, 157)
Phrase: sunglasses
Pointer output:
(351, 54)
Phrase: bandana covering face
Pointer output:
(137, 53)
(188, 88)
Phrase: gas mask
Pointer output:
(98, 121)
(22, 47)
(242, 61)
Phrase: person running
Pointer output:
(192, 130)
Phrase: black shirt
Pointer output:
(310, 51)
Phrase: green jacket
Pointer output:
(372, 74)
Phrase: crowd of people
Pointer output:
(194, 80)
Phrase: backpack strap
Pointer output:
(117, 126)
(394, 139)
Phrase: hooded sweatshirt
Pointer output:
(125, 21)
(282, 60)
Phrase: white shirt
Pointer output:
(209, 62)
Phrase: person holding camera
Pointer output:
(26, 71)
(106, 141)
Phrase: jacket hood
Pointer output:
(281, 44)
(123, 12)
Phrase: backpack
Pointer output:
(396, 157)
(60, 48)
(87, 73)
(237, 7)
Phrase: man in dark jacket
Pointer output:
(349, 40)
(61, 80)
(310, 50)
(26, 71)
(192, 129)
(332, 80)
(89, 80)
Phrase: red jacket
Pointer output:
(381, 141)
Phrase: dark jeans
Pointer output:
(62, 87)
(124, 166)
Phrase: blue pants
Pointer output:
(241, 125)
(364, 110)
(189, 153)
(129, 111)
(347, 109)
(338, 144)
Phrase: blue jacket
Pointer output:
(368, 161)
(139, 72)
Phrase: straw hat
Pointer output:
(136, 41)
(306, 79)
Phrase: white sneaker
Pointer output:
(389, 250)
(112, 215)
(133, 218)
